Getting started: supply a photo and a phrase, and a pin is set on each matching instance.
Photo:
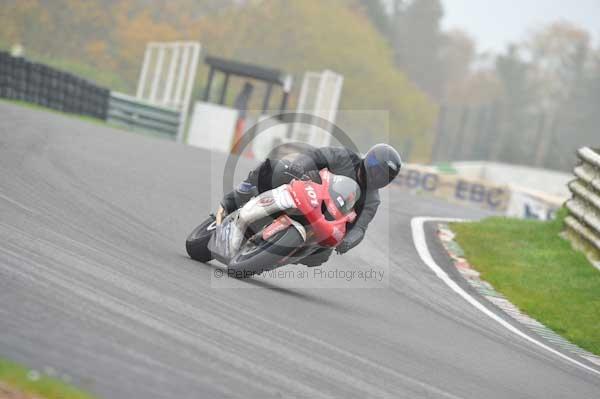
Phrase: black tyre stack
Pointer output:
(40, 84)
(4, 71)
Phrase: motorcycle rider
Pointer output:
(380, 165)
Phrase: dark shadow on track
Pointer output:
(318, 300)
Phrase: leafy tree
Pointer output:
(417, 40)
(562, 71)
(321, 35)
(558, 55)
(110, 36)
(457, 54)
(548, 97)
(517, 98)
(377, 13)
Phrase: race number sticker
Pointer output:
(312, 195)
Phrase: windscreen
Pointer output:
(344, 192)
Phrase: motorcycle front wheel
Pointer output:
(196, 244)
(264, 255)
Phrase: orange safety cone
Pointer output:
(237, 139)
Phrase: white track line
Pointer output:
(418, 232)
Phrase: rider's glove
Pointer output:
(313, 175)
(352, 239)
(296, 170)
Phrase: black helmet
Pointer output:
(381, 165)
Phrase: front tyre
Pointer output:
(264, 255)
(197, 242)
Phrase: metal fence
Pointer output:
(135, 114)
(40, 84)
(583, 221)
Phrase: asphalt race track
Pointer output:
(95, 284)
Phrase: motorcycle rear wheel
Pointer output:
(264, 255)
(196, 244)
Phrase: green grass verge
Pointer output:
(32, 383)
(539, 272)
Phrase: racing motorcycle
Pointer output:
(278, 227)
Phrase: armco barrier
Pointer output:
(583, 221)
(135, 114)
(40, 84)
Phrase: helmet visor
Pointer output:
(379, 174)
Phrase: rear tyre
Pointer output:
(264, 255)
(197, 242)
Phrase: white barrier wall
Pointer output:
(506, 199)
(546, 181)
(526, 204)
(212, 127)
(427, 180)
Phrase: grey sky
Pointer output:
(494, 23)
